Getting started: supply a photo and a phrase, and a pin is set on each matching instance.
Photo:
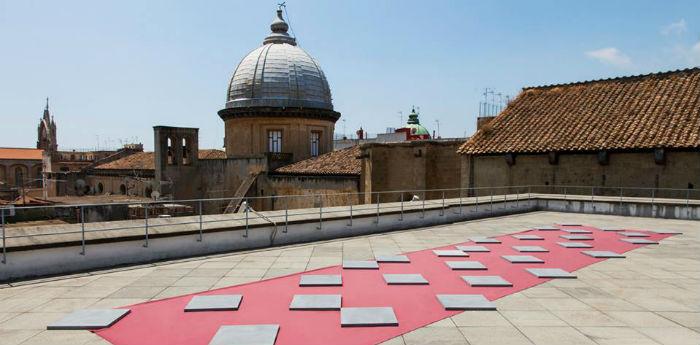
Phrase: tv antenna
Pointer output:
(401, 116)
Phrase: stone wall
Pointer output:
(341, 190)
(625, 169)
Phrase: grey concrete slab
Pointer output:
(405, 279)
(473, 249)
(550, 273)
(321, 280)
(547, 228)
(633, 234)
(214, 303)
(89, 319)
(570, 224)
(577, 231)
(604, 254)
(574, 245)
(495, 281)
(368, 317)
(638, 241)
(246, 335)
(577, 237)
(392, 259)
(528, 237)
(530, 249)
(466, 302)
(450, 253)
(484, 240)
(522, 259)
(360, 265)
(465, 265)
(316, 302)
(668, 232)
(611, 228)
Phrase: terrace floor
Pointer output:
(651, 297)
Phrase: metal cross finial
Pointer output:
(47, 103)
(282, 4)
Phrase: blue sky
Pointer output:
(114, 69)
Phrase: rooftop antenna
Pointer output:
(437, 122)
(283, 5)
(401, 116)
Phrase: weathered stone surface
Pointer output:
(393, 259)
(604, 254)
(368, 317)
(638, 241)
(316, 302)
(574, 245)
(465, 265)
(577, 237)
(466, 302)
(450, 253)
(550, 273)
(633, 234)
(528, 237)
(578, 231)
(246, 335)
(486, 281)
(89, 319)
(530, 249)
(214, 303)
(522, 259)
(321, 280)
(546, 228)
(484, 240)
(360, 265)
(405, 279)
(474, 249)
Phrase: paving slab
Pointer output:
(360, 265)
(530, 249)
(316, 302)
(473, 249)
(550, 273)
(405, 279)
(570, 224)
(638, 241)
(466, 302)
(633, 234)
(465, 265)
(522, 259)
(528, 237)
(321, 280)
(611, 228)
(392, 259)
(368, 317)
(603, 254)
(486, 281)
(484, 240)
(214, 303)
(89, 319)
(246, 335)
(578, 231)
(574, 245)
(577, 237)
(668, 232)
(546, 228)
(450, 253)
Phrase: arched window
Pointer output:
(147, 192)
(100, 188)
(169, 152)
(185, 153)
(19, 176)
(122, 189)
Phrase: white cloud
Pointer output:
(675, 28)
(611, 56)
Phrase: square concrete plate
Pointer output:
(530, 249)
(550, 273)
(214, 303)
(321, 280)
(473, 249)
(405, 279)
(246, 335)
(465, 265)
(393, 258)
(546, 228)
(486, 281)
(577, 237)
(315, 302)
(360, 265)
(452, 253)
(574, 245)
(603, 254)
(668, 232)
(528, 237)
(570, 224)
(481, 240)
(638, 241)
(466, 302)
(368, 317)
(577, 231)
(633, 234)
(522, 259)
(611, 228)
(89, 319)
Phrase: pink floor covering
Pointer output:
(267, 301)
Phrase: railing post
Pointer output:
(377, 220)
(350, 220)
(687, 202)
(82, 230)
(653, 209)
(442, 210)
(422, 211)
(145, 244)
(286, 214)
(476, 203)
(2, 225)
(529, 197)
(460, 201)
(401, 216)
(201, 228)
(320, 212)
(247, 207)
(592, 192)
(620, 200)
(564, 192)
(491, 201)
(517, 198)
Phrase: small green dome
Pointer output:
(414, 124)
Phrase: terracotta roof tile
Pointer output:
(20, 153)
(638, 112)
(340, 162)
(146, 160)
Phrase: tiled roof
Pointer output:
(340, 162)
(20, 153)
(146, 160)
(638, 112)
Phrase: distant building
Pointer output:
(638, 131)
(413, 129)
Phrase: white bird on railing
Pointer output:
(415, 198)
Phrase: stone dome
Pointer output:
(279, 74)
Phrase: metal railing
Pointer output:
(194, 214)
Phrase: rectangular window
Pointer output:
(274, 141)
(315, 143)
